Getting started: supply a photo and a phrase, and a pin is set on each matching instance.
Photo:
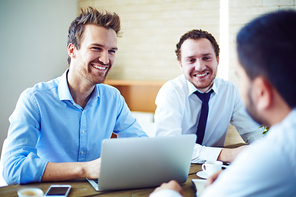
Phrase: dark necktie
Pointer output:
(203, 115)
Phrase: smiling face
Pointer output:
(199, 63)
(92, 62)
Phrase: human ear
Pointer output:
(262, 93)
(218, 59)
(71, 50)
(180, 65)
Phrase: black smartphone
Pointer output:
(58, 191)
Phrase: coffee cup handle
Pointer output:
(203, 167)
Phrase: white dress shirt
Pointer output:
(178, 111)
(266, 168)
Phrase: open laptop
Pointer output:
(129, 163)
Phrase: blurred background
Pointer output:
(33, 37)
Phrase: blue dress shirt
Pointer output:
(47, 126)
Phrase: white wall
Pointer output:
(33, 47)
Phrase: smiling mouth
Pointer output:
(202, 74)
(99, 66)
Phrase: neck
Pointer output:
(80, 91)
(278, 116)
(278, 112)
(205, 89)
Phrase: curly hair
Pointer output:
(196, 34)
(91, 16)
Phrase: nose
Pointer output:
(104, 58)
(199, 65)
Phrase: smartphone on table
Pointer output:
(58, 191)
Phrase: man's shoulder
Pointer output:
(285, 131)
(224, 85)
(179, 83)
(223, 82)
(43, 86)
(108, 89)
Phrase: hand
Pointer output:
(212, 178)
(229, 154)
(172, 185)
(92, 168)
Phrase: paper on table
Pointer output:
(199, 185)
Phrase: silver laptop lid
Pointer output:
(144, 162)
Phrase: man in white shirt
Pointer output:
(179, 108)
(266, 49)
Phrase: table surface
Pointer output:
(83, 188)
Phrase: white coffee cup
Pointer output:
(210, 167)
(30, 192)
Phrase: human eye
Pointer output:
(112, 51)
(96, 48)
(207, 58)
(191, 60)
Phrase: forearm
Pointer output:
(229, 154)
(63, 171)
(225, 155)
(71, 170)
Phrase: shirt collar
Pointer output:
(192, 88)
(64, 92)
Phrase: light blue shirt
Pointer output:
(266, 168)
(165, 193)
(178, 110)
(47, 126)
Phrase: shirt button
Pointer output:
(81, 152)
(82, 131)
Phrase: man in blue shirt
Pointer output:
(57, 127)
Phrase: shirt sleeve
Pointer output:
(166, 193)
(126, 125)
(21, 164)
(169, 112)
(203, 153)
(247, 128)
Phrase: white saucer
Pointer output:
(202, 174)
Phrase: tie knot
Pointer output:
(204, 96)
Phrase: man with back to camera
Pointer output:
(179, 107)
(57, 127)
(266, 51)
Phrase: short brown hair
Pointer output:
(266, 47)
(196, 34)
(91, 16)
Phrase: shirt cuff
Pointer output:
(202, 154)
(166, 193)
(210, 153)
